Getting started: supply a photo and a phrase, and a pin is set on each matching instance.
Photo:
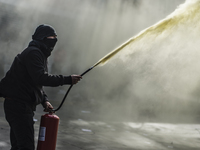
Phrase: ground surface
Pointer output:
(82, 134)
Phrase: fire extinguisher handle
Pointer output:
(54, 110)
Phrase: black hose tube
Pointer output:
(54, 110)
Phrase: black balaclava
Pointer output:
(41, 34)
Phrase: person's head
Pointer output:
(47, 35)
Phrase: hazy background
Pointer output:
(89, 29)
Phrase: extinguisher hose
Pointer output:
(54, 110)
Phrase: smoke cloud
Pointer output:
(162, 66)
(155, 78)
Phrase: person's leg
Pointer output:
(20, 119)
(13, 140)
(24, 132)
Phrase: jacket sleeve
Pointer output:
(35, 64)
(45, 99)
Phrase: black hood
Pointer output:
(40, 39)
(43, 31)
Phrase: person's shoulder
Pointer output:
(32, 49)
(32, 53)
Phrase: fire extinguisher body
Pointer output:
(48, 132)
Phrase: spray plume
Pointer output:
(184, 14)
(161, 64)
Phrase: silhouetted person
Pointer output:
(22, 87)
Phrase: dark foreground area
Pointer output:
(82, 134)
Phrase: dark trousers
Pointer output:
(20, 118)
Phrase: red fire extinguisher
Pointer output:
(48, 132)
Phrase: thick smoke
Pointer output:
(159, 82)
(162, 62)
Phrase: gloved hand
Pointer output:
(75, 78)
(47, 107)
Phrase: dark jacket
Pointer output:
(28, 74)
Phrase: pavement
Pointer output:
(83, 134)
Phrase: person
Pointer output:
(22, 86)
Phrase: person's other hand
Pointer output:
(47, 107)
(76, 78)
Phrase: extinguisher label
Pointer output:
(42, 134)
